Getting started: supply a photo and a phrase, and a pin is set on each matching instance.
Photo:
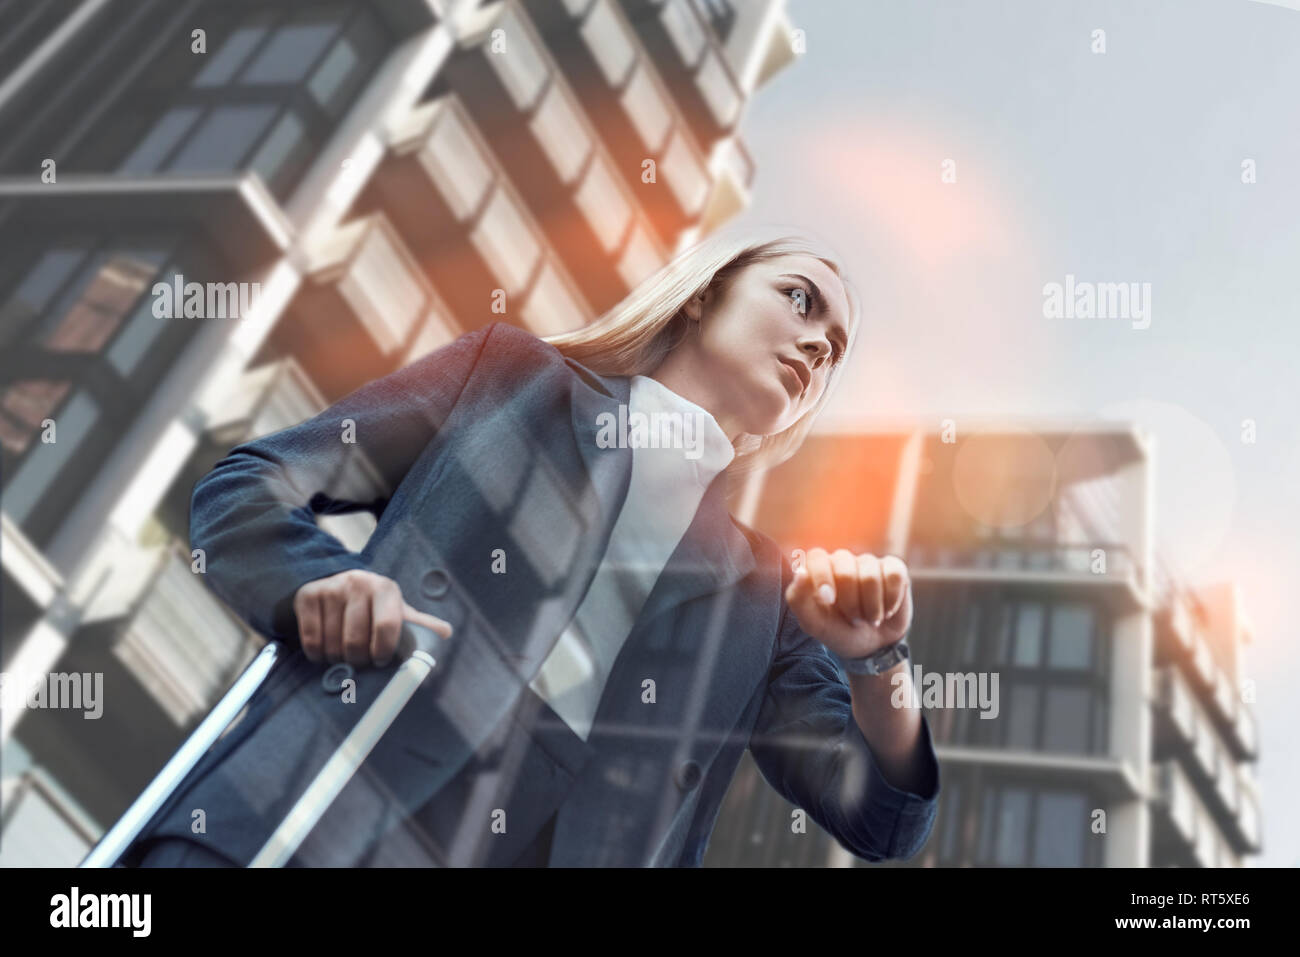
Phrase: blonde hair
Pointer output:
(635, 336)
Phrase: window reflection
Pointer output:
(161, 140)
(37, 288)
(1071, 644)
(289, 55)
(222, 65)
(224, 138)
(1025, 826)
(1053, 677)
(1060, 830)
(108, 286)
(83, 350)
(47, 459)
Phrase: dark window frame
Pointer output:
(118, 397)
(125, 123)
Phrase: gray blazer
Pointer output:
(486, 448)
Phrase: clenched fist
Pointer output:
(853, 604)
(355, 616)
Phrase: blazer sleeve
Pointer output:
(808, 746)
(254, 513)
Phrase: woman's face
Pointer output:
(763, 350)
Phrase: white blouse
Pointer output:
(664, 491)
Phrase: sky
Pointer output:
(1122, 166)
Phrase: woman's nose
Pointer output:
(815, 352)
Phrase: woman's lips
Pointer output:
(792, 379)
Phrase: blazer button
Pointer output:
(688, 775)
(335, 675)
(435, 583)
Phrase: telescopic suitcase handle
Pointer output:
(415, 651)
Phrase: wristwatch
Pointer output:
(878, 661)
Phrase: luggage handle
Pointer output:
(415, 648)
(417, 643)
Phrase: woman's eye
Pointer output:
(799, 297)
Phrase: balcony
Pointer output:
(168, 630)
(535, 125)
(164, 647)
(1066, 566)
(1184, 831)
(1181, 639)
(467, 227)
(640, 258)
(1176, 709)
(693, 64)
(1180, 813)
(40, 828)
(1185, 730)
(359, 308)
(623, 91)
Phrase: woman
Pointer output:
(557, 509)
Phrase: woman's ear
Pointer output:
(694, 307)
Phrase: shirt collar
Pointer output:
(702, 430)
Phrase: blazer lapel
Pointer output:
(712, 554)
(591, 396)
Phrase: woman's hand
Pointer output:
(853, 604)
(355, 616)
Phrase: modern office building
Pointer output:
(1122, 734)
(218, 216)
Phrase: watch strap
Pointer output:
(878, 661)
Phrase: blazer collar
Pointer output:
(712, 555)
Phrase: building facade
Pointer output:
(216, 218)
(1119, 732)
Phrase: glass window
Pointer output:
(456, 164)
(552, 308)
(1013, 826)
(602, 203)
(639, 259)
(560, 132)
(332, 75)
(988, 808)
(46, 460)
(684, 29)
(608, 42)
(1022, 721)
(951, 802)
(718, 90)
(1029, 635)
(646, 109)
(1003, 634)
(970, 650)
(287, 141)
(37, 288)
(686, 177)
(521, 66)
(224, 138)
(160, 140)
(1060, 829)
(294, 49)
(1065, 724)
(136, 338)
(506, 242)
(105, 292)
(1071, 642)
(388, 294)
(1099, 741)
(230, 56)
(26, 405)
